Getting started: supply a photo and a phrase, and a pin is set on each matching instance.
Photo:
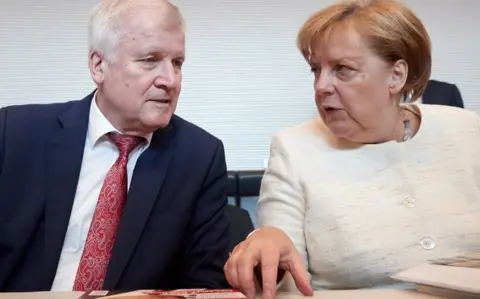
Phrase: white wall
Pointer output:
(243, 80)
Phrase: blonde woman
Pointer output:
(376, 184)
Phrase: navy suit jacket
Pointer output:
(442, 93)
(173, 234)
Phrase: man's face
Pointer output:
(138, 88)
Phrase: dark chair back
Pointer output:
(249, 182)
(248, 191)
(240, 225)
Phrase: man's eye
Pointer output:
(150, 60)
(177, 63)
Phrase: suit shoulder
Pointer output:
(30, 112)
(439, 84)
(192, 131)
(442, 88)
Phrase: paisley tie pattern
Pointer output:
(103, 228)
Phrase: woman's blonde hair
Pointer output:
(391, 29)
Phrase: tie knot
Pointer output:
(125, 143)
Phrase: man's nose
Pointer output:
(166, 74)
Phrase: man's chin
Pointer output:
(160, 122)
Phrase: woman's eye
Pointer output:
(344, 71)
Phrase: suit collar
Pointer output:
(64, 160)
(77, 113)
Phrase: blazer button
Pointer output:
(427, 243)
(409, 201)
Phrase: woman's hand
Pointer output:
(270, 249)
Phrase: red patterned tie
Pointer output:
(103, 229)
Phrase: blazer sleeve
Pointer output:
(207, 247)
(281, 203)
(456, 98)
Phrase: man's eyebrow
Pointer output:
(156, 53)
(179, 56)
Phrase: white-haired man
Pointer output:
(66, 170)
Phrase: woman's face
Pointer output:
(353, 86)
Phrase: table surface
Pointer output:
(363, 294)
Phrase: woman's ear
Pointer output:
(399, 76)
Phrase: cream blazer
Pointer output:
(359, 213)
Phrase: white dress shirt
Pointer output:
(99, 155)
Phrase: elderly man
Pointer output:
(66, 222)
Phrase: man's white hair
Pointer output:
(105, 28)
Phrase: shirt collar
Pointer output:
(98, 125)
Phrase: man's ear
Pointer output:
(399, 76)
(97, 66)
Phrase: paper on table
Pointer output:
(469, 261)
(175, 294)
(456, 277)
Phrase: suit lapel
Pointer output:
(63, 169)
(147, 180)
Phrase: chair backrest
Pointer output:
(244, 189)
(232, 188)
(248, 191)
(249, 182)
